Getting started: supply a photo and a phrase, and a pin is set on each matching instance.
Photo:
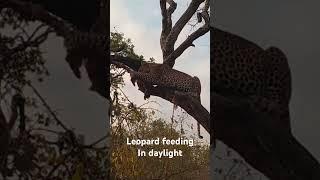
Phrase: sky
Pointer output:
(140, 20)
(293, 27)
(79, 108)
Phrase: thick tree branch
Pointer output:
(166, 23)
(257, 138)
(188, 42)
(134, 64)
(190, 105)
(163, 6)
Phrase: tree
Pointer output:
(168, 39)
(129, 120)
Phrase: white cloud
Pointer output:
(144, 38)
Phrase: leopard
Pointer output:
(241, 68)
(89, 49)
(80, 45)
(150, 74)
(162, 75)
(144, 86)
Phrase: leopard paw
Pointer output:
(133, 78)
(174, 101)
(146, 95)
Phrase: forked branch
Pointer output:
(169, 34)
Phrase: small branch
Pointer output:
(48, 107)
(97, 141)
(3, 120)
(21, 105)
(35, 31)
(61, 162)
(14, 113)
(46, 130)
(121, 65)
(42, 37)
(187, 43)
(183, 20)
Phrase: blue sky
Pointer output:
(140, 20)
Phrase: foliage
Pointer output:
(125, 164)
(119, 42)
(19, 53)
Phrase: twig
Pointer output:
(195, 35)
(97, 141)
(47, 107)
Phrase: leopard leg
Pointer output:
(174, 101)
(145, 88)
(199, 133)
(133, 78)
(146, 94)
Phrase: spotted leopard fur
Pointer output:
(90, 50)
(81, 45)
(162, 75)
(242, 68)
